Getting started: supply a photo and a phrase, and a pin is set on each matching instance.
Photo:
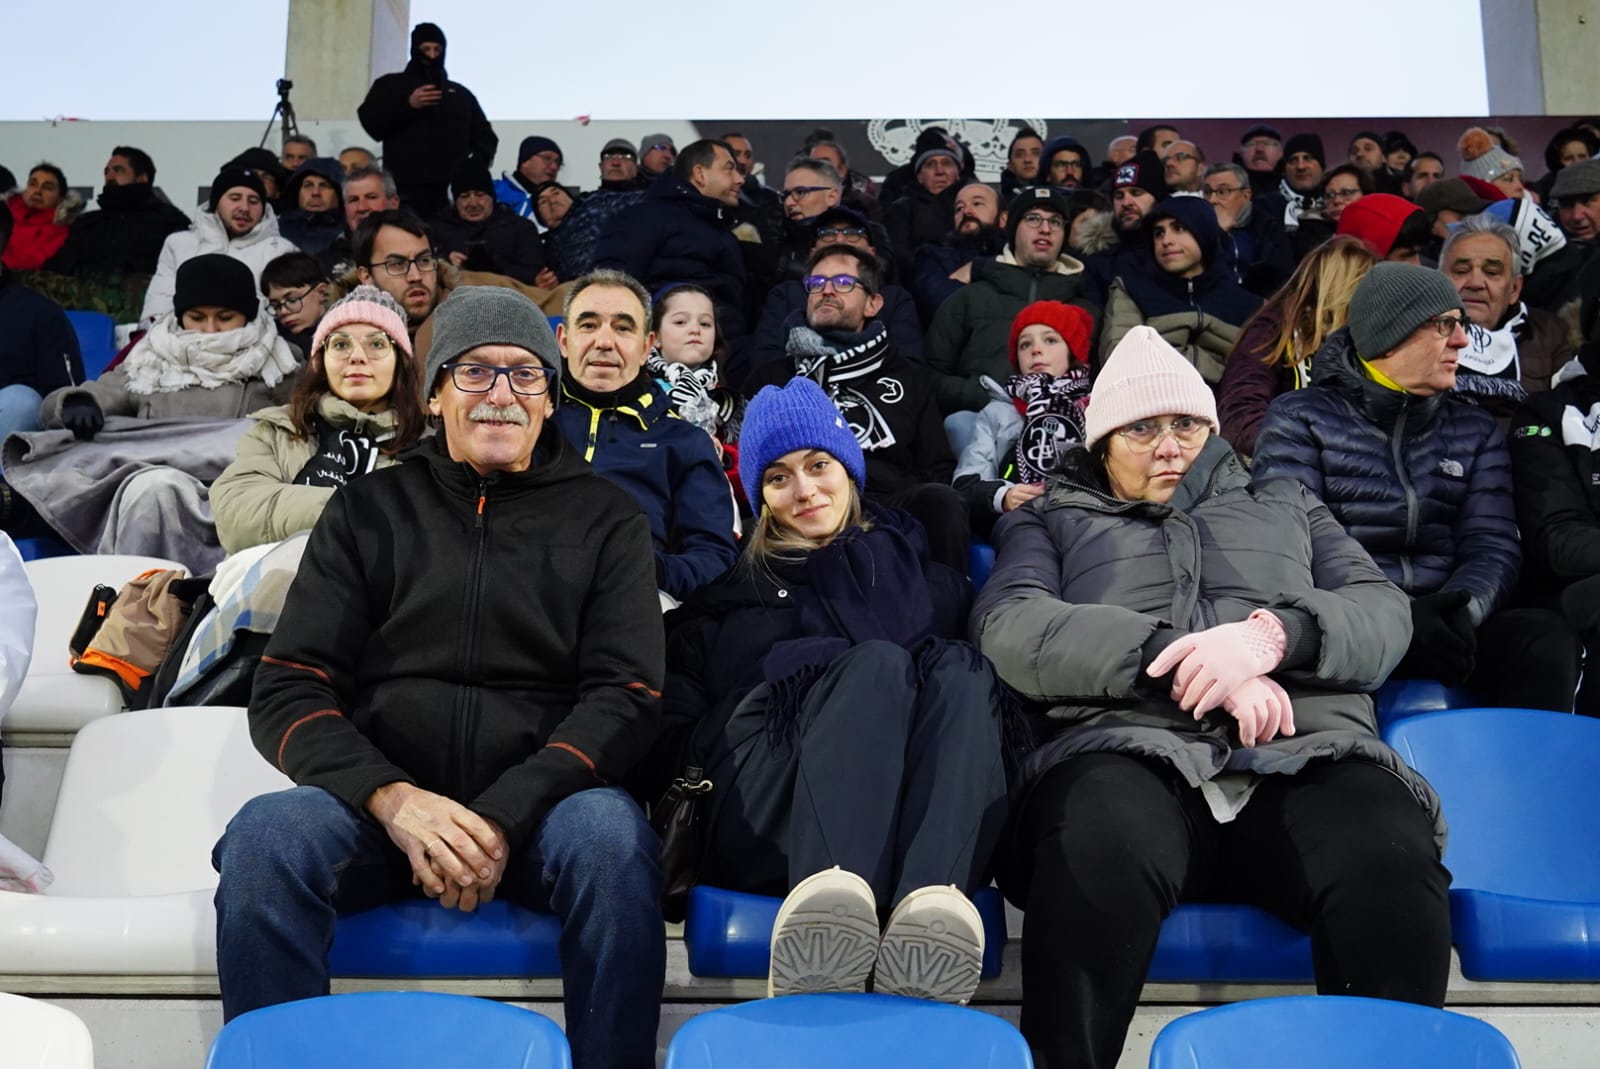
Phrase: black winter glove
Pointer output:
(82, 416)
(1443, 644)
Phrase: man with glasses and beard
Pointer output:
(480, 763)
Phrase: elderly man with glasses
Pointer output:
(1255, 247)
(467, 664)
(618, 418)
(1421, 477)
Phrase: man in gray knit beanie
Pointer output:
(1421, 478)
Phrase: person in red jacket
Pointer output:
(40, 216)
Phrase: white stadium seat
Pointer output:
(41, 1036)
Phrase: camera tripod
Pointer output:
(283, 115)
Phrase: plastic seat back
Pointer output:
(97, 340)
(847, 1032)
(38, 1035)
(1519, 788)
(146, 795)
(1329, 1032)
(390, 1030)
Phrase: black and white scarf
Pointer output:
(1490, 367)
(842, 364)
(1295, 205)
(1052, 420)
(697, 395)
(343, 453)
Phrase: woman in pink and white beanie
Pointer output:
(1203, 648)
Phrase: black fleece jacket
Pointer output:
(493, 639)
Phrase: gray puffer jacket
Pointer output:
(1088, 589)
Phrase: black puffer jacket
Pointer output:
(496, 640)
(123, 238)
(1553, 442)
(1423, 483)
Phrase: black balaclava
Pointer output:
(431, 70)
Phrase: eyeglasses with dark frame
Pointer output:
(400, 266)
(840, 283)
(801, 191)
(1213, 192)
(291, 304)
(1447, 325)
(837, 233)
(524, 379)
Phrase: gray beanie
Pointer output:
(1482, 156)
(1581, 179)
(1393, 300)
(490, 315)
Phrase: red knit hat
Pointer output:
(1376, 219)
(1068, 320)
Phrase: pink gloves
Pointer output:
(1227, 666)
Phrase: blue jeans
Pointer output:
(293, 861)
(19, 410)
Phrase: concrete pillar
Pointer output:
(1511, 56)
(335, 48)
(1569, 41)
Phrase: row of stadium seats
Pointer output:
(358, 1031)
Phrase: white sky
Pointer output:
(641, 59)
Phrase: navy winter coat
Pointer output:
(679, 234)
(1423, 483)
(38, 347)
(312, 232)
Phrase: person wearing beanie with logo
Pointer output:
(478, 233)
(1201, 646)
(875, 789)
(1022, 436)
(355, 408)
(1484, 157)
(1422, 479)
(617, 418)
(970, 332)
(428, 124)
(1176, 282)
(1136, 187)
(237, 221)
(539, 160)
(483, 763)
(922, 216)
(1298, 192)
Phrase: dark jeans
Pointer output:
(1107, 845)
(897, 782)
(943, 514)
(292, 862)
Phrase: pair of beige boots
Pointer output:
(826, 938)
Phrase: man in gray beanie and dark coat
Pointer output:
(471, 654)
(1422, 479)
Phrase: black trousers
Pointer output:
(943, 514)
(1107, 844)
(900, 783)
(1530, 658)
(1580, 607)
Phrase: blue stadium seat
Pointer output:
(1400, 698)
(1329, 1032)
(980, 562)
(97, 340)
(1520, 792)
(417, 937)
(847, 1032)
(388, 1030)
(555, 321)
(40, 548)
(729, 933)
(1203, 942)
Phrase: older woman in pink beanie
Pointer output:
(1202, 649)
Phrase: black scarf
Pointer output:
(841, 362)
(1052, 420)
(342, 454)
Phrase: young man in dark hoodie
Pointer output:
(1178, 285)
(427, 123)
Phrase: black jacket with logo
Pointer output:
(1554, 436)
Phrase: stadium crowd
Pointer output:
(1251, 429)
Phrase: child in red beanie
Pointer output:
(1035, 419)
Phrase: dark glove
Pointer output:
(1443, 644)
(82, 416)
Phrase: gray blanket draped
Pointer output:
(138, 487)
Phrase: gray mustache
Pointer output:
(488, 413)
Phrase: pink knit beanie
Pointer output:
(1144, 377)
(364, 304)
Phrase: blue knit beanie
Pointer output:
(796, 416)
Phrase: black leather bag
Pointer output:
(679, 819)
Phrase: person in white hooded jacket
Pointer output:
(18, 607)
(238, 222)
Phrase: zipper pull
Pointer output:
(483, 499)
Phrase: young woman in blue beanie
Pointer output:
(854, 741)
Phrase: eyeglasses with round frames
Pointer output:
(290, 304)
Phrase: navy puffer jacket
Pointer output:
(1423, 483)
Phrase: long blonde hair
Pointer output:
(772, 539)
(1315, 301)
